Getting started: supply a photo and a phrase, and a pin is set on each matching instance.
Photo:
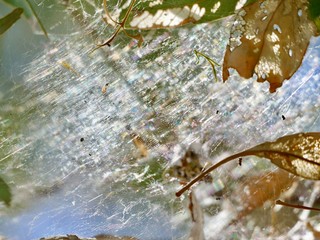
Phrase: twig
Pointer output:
(279, 202)
(121, 26)
(248, 152)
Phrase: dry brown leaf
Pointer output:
(269, 38)
(260, 189)
(110, 237)
(98, 237)
(298, 153)
(315, 233)
(68, 237)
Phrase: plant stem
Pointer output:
(38, 19)
(252, 151)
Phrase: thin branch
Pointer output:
(248, 152)
(121, 26)
(279, 202)
(127, 13)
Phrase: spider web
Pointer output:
(67, 149)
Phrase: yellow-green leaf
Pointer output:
(7, 21)
(28, 11)
(5, 193)
(20, 4)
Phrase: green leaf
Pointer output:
(7, 21)
(20, 4)
(314, 12)
(5, 193)
(156, 14)
(29, 11)
(298, 153)
(169, 13)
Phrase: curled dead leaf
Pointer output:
(298, 153)
(269, 38)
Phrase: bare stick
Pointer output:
(279, 202)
